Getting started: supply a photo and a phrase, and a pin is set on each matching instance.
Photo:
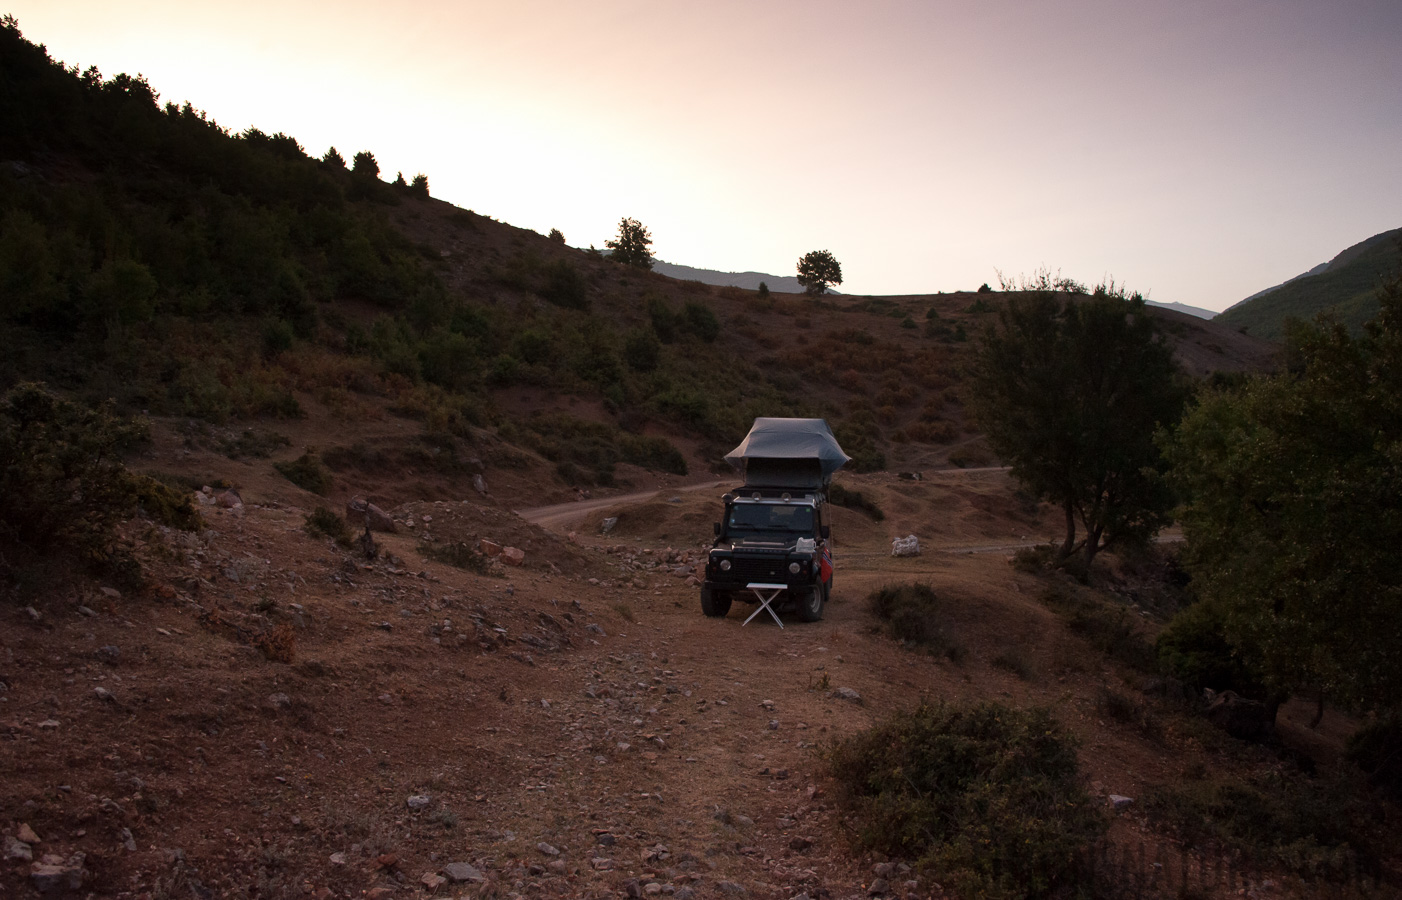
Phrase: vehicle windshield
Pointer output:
(770, 517)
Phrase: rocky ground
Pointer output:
(281, 716)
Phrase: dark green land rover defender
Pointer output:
(771, 540)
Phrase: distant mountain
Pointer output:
(1315, 271)
(1346, 286)
(783, 284)
(1184, 308)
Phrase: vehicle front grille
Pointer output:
(769, 570)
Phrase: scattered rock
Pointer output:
(846, 693)
(417, 802)
(229, 499)
(55, 873)
(461, 872)
(279, 701)
(609, 524)
(878, 887)
(26, 834)
(513, 556)
(799, 844)
(432, 882)
(108, 653)
(360, 511)
(906, 546)
(731, 889)
(1119, 801)
(32, 613)
(479, 484)
(596, 628)
(489, 548)
(18, 850)
(103, 694)
(547, 849)
(87, 612)
(338, 858)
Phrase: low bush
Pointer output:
(1016, 662)
(1194, 649)
(1108, 627)
(1376, 749)
(62, 483)
(1309, 826)
(307, 472)
(987, 796)
(459, 555)
(912, 613)
(323, 521)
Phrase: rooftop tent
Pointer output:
(797, 453)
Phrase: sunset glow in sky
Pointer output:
(1196, 150)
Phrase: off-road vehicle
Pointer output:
(772, 531)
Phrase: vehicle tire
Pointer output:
(827, 591)
(810, 604)
(714, 604)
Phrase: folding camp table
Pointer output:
(767, 594)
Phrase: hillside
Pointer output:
(1345, 287)
(750, 281)
(255, 708)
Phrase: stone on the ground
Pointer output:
(547, 849)
(479, 484)
(55, 873)
(432, 882)
(906, 546)
(461, 872)
(846, 693)
(418, 801)
(1119, 801)
(26, 834)
(608, 524)
(362, 513)
(878, 887)
(18, 850)
(513, 556)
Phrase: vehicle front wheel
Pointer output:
(714, 604)
(810, 604)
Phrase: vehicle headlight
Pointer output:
(725, 565)
(793, 568)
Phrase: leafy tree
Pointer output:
(818, 270)
(334, 157)
(1070, 393)
(557, 235)
(1294, 516)
(364, 163)
(763, 289)
(399, 181)
(419, 186)
(631, 247)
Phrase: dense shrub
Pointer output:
(307, 472)
(987, 796)
(1311, 826)
(913, 614)
(1376, 749)
(62, 482)
(459, 555)
(324, 522)
(1194, 649)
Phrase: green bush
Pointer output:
(459, 555)
(307, 472)
(324, 522)
(565, 286)
(1310, 826)
(987, 796)
(698, 320)
(165, 504)
(1108, 627)
(1194, 649)
(62, 482)
(912, 613)
(1376, 749)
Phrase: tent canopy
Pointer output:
(807, 447)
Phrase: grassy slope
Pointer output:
(1346, 290)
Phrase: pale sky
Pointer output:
(1195, 150)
